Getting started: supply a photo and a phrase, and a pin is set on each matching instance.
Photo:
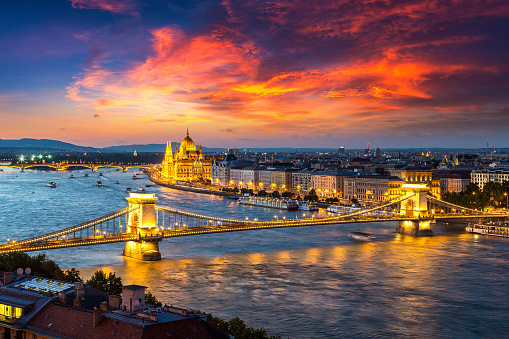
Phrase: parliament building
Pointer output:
(186, 164)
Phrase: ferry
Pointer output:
(497, 229)
(99, 183)
(51, 184)
(361, 236)
(284, 204)
(307, 206)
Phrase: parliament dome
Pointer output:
(187, 144)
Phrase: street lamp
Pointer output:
(506, 200)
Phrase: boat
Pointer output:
(306, 206)
(141, 189)
(233, 197)
(135, 177)
(497, 229)
(51, 184)
(99, 183)
(71, 177)
(86, 174)
(361, 236)
(116, 182)
(100, 174)
(128, 189)
(147, 185)
(284, 204)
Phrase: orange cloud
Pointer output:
(227, 75)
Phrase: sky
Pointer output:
(254, 73)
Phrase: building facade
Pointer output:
(186, 163)
(484, 176)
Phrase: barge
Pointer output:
(284, 204)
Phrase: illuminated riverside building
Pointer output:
(484, 176)
(186, 164)
(372, 188)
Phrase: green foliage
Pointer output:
(287, 194)
(151, 299)
(331, 200)
(39, 264)
(72, 275)
(110, 283)
(312, 196)
(492, 195)
(245, 190)
(275, 194)
(235, 190)
(237, 328)
(262, 193)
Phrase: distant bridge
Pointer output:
(70, 167)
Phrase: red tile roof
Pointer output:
(61, 321)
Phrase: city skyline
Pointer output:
(246, 74)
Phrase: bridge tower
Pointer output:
(142, 223)
(415, 209)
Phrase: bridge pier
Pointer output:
(142, 222)
(415, 227)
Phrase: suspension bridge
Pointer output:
(70, 167)
(143, 224)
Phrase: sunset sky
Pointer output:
(242, 73)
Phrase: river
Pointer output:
(308, 282)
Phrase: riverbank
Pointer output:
(194, 189)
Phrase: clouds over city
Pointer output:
(300, 67)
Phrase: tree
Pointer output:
(287, 194)
(262, 193)
(110, 283)
(275, 194)
(151, 299)
(39, 264)
(71, 275)
(312, 196)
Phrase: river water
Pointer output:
(308, 282)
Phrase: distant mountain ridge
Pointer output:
(48, 145)
(43, 144)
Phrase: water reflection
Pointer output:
(304, 282)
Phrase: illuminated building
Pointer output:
(483, 176)
(186, 164)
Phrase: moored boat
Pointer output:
(361, 236)
(285, 204)
(500, 229)
(307, 206)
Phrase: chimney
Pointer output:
(8, 276)
(77, 302)
(62, 297)
(79, 290)
(97, 315)
(114, 302)
(103, 305)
